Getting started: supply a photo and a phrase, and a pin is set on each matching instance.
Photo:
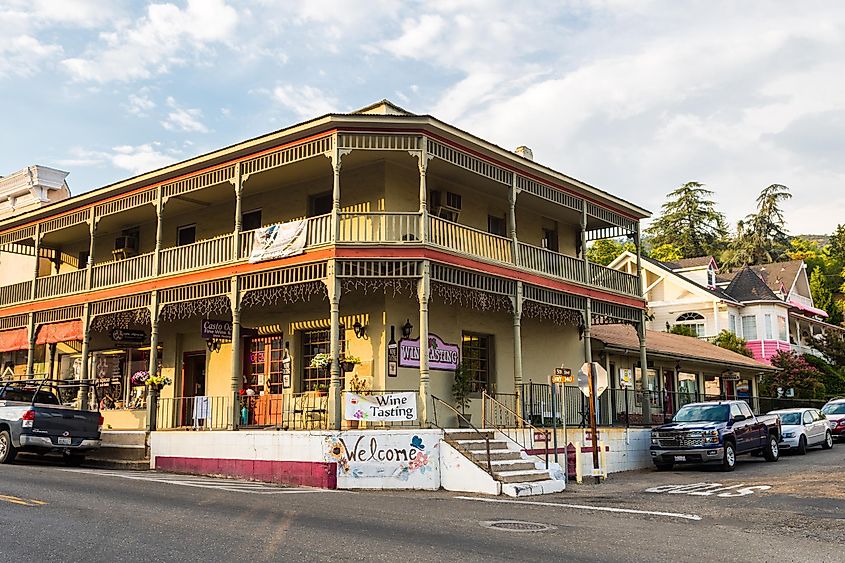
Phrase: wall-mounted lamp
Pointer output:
(360, 330)
(407, 328)
(213, 344)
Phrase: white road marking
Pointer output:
(232, 485)
(587, 507)
(709, 489)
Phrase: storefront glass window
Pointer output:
(649, 385)
(712, 387)
(264, 370)
(112, 371)
(316, 342)
(687, 388)
(476, 358)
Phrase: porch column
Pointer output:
(638, 244)
(159, 206)
(92, 231)
(84, 374)
(30, 353)
(517, 347)
(588, 323)
(237, 366)
(641, 333)
(584, 246)
(424, 294)
(512, 220)
(422, 160)
(152, 396)
(236, 241)
(335, 383)
(37, 261)
(336, 155)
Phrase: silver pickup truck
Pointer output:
(33, 419)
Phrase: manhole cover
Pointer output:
(517, 526)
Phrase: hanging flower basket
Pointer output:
(349, 362)
(321, 361)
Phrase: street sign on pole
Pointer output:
(563, 375)
(600, 375)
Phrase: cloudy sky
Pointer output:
(635, 97)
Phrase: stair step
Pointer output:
(495, 455)
(524, 489)
(522, 476)
(453, 435)
(512, 465)
(481, 444)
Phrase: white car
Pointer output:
(802, 428)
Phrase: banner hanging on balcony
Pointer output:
(392, 407)
(279, 241)
(441, 356)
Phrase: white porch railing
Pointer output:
(380, 227)
(122, 271)
(15, 293)
(200, 254)
(552, 263)
(467, 240)
(61, 284)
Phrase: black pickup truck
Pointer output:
(714, 432)
(34, 419)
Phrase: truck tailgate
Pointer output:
(60, 421)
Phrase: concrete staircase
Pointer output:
(519, 474)
(121, 450)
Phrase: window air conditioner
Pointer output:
(446, 205)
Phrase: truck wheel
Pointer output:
(828, 441)
(729, 460)
(802, 445)
(664, 465)
(7, 450)
(771, 451)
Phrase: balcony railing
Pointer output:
(118, 271)
(377, 228)
(473, 242)
(61, 284)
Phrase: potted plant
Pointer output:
(320, 389)
(461, 389)
(321, 361)
(349, 362)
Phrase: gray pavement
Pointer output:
(48, 512)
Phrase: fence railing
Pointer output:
(380, 227)
(468, 240)
(289, 411)
(15, 293)
(60, 284)
(198, 413)
(629, 407)
(121, 271)
(200, 254)
(463, 422)
(552, 263)
(509, 424)
(614, 280)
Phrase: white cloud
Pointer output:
(305, 101)
(140, 103)
(183, 119)
(166, 37)
(134, 159)
(22, 55)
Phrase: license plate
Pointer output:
(64, 441)
(680, 458)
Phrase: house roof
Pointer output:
(675, 345)
(714, 291)
(683, 263)
(779, 276)
(746, 285)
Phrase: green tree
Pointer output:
(809, 252)
(667, 253)
(832, 378)
(761, 237)
(823, 297)
(683, 330)
(605, 251)
(832, 347)
(689, 221)
(730, 341)
(794, 373)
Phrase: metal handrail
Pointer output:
(486, 438)
(522, 424)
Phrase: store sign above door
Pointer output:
(218, 330)
(128, 336)
(441, 356)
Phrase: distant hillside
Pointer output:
(821, 240)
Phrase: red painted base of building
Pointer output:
(307, 473)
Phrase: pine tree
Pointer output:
(761, 237)
(823, 297)
(689, 221)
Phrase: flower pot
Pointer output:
(347, 366)
(464, 422)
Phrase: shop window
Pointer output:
(693, 320)
(264, 365)
(320, 204)
(112, 371)
(251, 220)
(749, 327)
(496, 225)
(186, 234)
(316, 342)
(477, 358)
(712, 387)
(782, 329)
(687, 388)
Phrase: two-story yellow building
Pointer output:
(348, 235)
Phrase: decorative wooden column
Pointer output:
(335, 383)
(587, 279)
(32, 290)
(641, 333)
(92, 232)
(237, 365)
(424, 295)
(422, 161)
(159, 208)
(84, 373)
(517, 347)
(152, 396)
(30, 353)
(512, 220)
(236, 242)
(638, 244)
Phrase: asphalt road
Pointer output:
(50, 513)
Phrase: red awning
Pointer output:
(808, 309)
(67, 331)
(12, 340)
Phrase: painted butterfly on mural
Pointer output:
(416, 442)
